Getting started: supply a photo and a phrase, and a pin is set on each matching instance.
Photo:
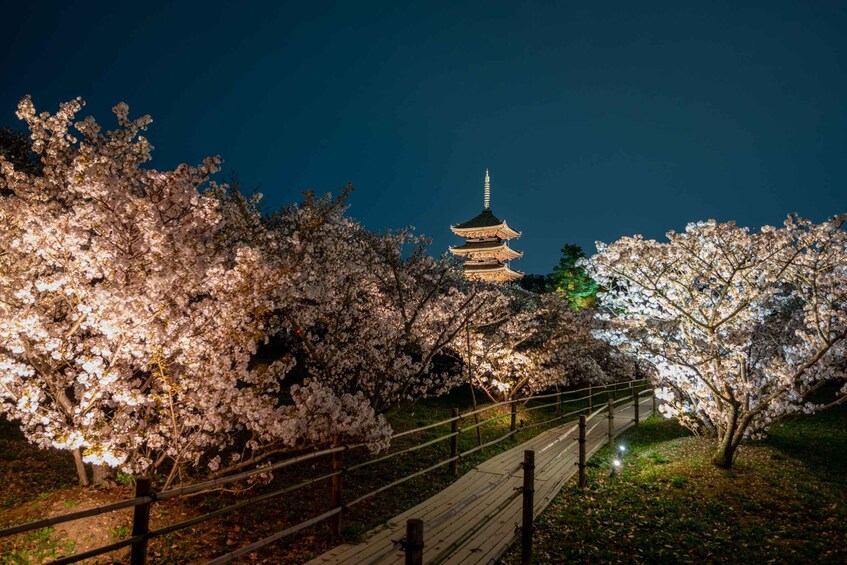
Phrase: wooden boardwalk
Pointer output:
(476, 518)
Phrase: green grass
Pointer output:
(36, 547)
(783, 502)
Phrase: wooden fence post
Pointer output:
(454, 442)
(141, 522)
(558, 402)
(635, 406)
(528, 492)
(590, 399)
(611, 417)
(513, 425)
(582, 462)
(655, 403)
(413, 547)
(337, 500)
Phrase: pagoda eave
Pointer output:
(501, 253)
(492, 272)
(501, 231)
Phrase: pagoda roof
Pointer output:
(485, 219)
(495, 246)
(486, 224)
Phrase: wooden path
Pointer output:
(476, 518)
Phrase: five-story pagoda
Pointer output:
(486, 252)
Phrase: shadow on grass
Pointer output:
(826, 456)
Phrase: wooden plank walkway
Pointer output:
(476, 518)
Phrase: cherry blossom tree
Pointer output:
(741, 327)
(537, 342)
(127, 316)
(369, 312)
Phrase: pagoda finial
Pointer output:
(487, 190)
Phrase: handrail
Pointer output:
(428, 426)
(483, 422)
(45, 522)
(530, 426)
(197, 487)
(402, 480)
(402, 452)
(97, 551)
(490, 443)
(594, 390)
(232, 507)
(272, 538)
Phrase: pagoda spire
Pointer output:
(487, 190)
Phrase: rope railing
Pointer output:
(484, 422)
(606, 390)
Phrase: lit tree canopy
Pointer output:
(371, 311)
(127, 319)
(535, 343)
(740, 326)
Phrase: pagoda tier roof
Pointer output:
(494, 247)
(485, 223)
(491, 271)
(486, 219)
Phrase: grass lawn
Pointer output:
(785, 501)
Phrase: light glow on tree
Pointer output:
(741, 327)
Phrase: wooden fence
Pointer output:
(146, 496)
(417, 528)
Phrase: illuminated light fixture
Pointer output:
(622, 448)
(616, 463)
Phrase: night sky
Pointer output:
(596, 119)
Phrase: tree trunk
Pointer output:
(724, 455)
(101, 474)
(80, 468)
(728, 443)
(729, 438)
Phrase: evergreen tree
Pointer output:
(570, 281)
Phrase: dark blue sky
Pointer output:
(597, 119)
